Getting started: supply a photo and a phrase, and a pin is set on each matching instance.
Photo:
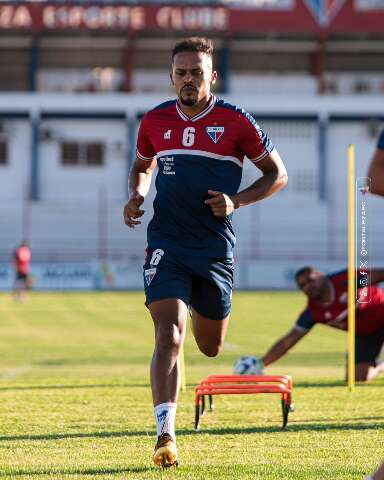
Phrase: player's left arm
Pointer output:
(274, 178)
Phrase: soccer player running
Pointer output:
(328, 305)
(198, 143)
(21, 260)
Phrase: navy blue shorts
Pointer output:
(368, 347)
(203, 283)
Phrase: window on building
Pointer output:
(95, 154)
(70, 153)
(3, 151)
(82, 154)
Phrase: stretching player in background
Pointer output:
(21, 260)
(198, 143)
(328, 305)
(376, 168)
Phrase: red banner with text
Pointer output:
(279, 16)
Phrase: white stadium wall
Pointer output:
(60, 183)
(15, 176)
(76, 229)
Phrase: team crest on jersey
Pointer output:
(324, 10)
(149, 275)
(215, 133)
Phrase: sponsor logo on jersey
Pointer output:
(215, 133)
(167, 135)
(168, 165)
(149, 275)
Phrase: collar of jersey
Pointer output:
(199, 115)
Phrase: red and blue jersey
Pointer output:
(22, 258)
(369, 316)
(194, 155)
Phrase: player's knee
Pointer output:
(168, 338)
(210, 349)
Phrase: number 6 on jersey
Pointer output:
(189, 136)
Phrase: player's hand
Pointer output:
(132, 210)
(221, 204)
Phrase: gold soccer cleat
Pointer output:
(165, 452)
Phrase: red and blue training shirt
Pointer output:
(369, 316)
(194, 155)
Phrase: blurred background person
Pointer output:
(328, 305)
(22, 257)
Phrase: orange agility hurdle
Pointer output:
(245, 384)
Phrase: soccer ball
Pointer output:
(248, 365)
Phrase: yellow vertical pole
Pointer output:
(351, 266)
(182, 371)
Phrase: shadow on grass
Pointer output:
(335, 383)
(77, 471)
(292, 428)
(319, 384)
(54, 387)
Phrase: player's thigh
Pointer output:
(169, 317)
(167, 285)
(211, 301)
(207, 331)
(368, 347)
(20, 280)
(212, 287)
(165, 277)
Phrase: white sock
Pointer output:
(165, 415)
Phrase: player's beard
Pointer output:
(188, 102)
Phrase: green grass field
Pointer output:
(76, 403)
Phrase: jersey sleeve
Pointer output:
(144, 149)
(380, 143)
(340, 275)
(305, 321)
(254, 143)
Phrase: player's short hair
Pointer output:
(194, 44)
(301, 271)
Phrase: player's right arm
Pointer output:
(138, 185)
(141, 173)
(283, 345)
(302, 326)
(376, 168)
